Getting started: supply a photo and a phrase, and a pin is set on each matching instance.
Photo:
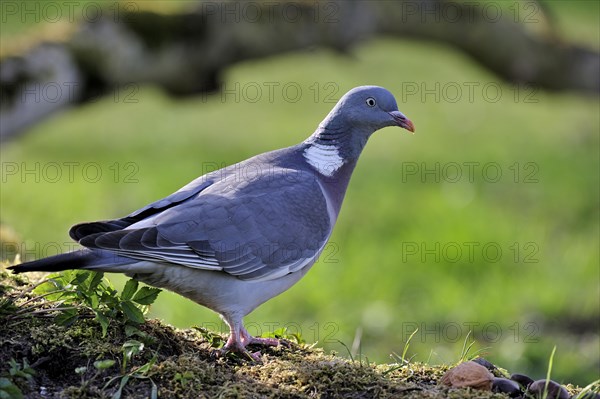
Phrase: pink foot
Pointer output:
(238, 344)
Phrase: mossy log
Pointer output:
(41, 357)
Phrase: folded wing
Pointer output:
(255, 228)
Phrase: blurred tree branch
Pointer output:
(186, 52)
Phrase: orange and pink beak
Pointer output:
(403, 121)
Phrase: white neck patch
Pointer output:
(324, 158)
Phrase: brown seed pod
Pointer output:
(468, 374)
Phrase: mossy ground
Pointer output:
(181, 363)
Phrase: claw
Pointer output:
(223, 352)
(243, 352)
(256, 356)
(238, 343)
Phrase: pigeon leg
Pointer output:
(237, 340)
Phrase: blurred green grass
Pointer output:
(367, 280)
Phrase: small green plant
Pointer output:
(99, 365)
(589, 391)
(214, 340)
(130, 349)
(70, 295)
(406, 346)
(464, 353)
(8, 389)
(356, 349)
(401, 359)
(550, 362)
(347, 350)
(282, 333)
(183, 378)
(21, 370)
(70, 291)
(7, 307)
(8, 380)
(466, 349)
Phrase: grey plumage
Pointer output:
(236, 237)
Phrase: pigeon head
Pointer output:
(342, 135)
(366, 109)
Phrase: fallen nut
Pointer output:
(468, 374)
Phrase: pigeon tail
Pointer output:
(81, 259)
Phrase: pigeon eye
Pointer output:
(371, 102)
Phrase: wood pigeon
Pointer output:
(236, 237)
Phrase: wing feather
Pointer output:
(82, 230)
(254, 228)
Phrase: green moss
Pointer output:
(181, 363)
